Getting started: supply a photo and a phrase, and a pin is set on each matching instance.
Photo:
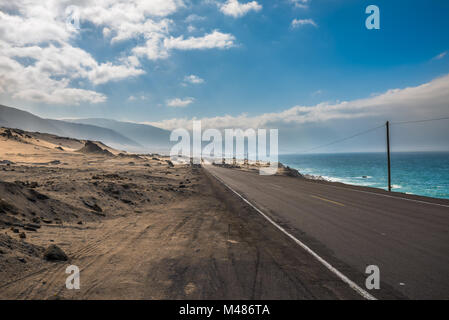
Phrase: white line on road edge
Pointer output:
(386, 195)
(344, 278)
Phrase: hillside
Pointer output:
(146, 135)
(15, 118)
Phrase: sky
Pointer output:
(310, 68)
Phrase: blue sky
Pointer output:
(268, 65)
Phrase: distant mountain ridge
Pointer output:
(146, 135)
(123, 135)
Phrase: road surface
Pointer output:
(406, 237)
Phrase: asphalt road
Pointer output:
(407, 237)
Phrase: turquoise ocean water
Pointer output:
(421, 173)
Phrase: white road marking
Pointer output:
(340, 275)
(388, 196)
(384, 195)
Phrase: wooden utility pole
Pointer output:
(388, 155)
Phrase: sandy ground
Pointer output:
(137, 228)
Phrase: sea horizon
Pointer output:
(423, 173)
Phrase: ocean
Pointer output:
(420, 173)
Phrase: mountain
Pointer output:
(148, 136)
(15, 118)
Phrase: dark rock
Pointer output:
(27, 184)
(170, 164)
(33, 225)
(93, 206)
(98, 213)
(22, 235)
(7, 207)
(54, 253)
(290, 172)
(38, 196)
(92, 148)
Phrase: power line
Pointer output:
(372, 129)
(417, 121)
(344, 139)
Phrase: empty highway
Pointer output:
(407, 237)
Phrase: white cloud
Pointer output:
(423, 101)
(153, 49)
(159, 46)
(236, 9)
(215, 39)
(50, 71)
(48, 78)
(440, 56)
(134, 98)
(194, 18)
(180, 103)
(130, 19)
(41, 61)
(106, 32)
(193, 79)
(106, 72)
(61, 96)
(32, 28)
(303, 4)
(301, 22)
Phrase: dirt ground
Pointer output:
(138, 228)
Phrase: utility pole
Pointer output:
(388, 155)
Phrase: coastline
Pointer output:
(414, 173)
